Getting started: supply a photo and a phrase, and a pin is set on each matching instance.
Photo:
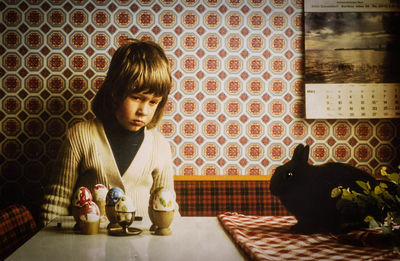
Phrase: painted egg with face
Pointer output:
(125, 209)
(125, 204)
(81, 196)
(113, 195)
(99, 192)
(89, 212)
(163, 200)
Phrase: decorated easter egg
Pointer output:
(81, 196)
(163, 200)
(89, 212)
(113, 195)
(125, 210)
(99, 192)
(125, 204)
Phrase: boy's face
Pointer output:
(137, 110)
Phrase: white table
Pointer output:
(193, 238)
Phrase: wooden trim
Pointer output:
(221, 177)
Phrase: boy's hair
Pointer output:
(135, 67)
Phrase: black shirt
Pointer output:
(124, 143)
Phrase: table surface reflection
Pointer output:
(193, 238)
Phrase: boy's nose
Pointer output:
(143, 108)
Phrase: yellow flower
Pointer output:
(346, 194)
(383, 185)
(378, 190)
(383, 171)
(336, 192)
(368, 219)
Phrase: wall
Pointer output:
(236, 108)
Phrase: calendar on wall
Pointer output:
(352, 69)
(346, 101)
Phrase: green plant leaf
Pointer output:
(336, 192)
(381, 204)
(395, 177)
(364, 185)
(386, 230)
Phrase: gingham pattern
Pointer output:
(16, 226)
(210, 198)
(268, 238)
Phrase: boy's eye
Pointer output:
(135, 97)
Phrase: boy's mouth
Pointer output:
(137, 123)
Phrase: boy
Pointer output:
(120, 147)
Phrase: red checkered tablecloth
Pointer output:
(268, 238)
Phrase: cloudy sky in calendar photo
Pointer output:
(363, 51)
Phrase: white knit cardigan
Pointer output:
(86, 159)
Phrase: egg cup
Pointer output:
(112, 217)
(153, 225)
(162, 220)
(89, 227)
(76, 213)
(124, 219)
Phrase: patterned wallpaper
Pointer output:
(237, 104)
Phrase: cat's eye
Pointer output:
(289, 175)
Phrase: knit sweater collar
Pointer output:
(114, 128)
(124, 143)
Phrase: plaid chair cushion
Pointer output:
(16, 226)
(211, 198)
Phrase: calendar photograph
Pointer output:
(363, 51)
(352, 69)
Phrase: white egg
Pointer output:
(125, 204)
(99, 192)
(89, 212)
(163, 200)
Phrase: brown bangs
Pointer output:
(152, 78)
(148, 70)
